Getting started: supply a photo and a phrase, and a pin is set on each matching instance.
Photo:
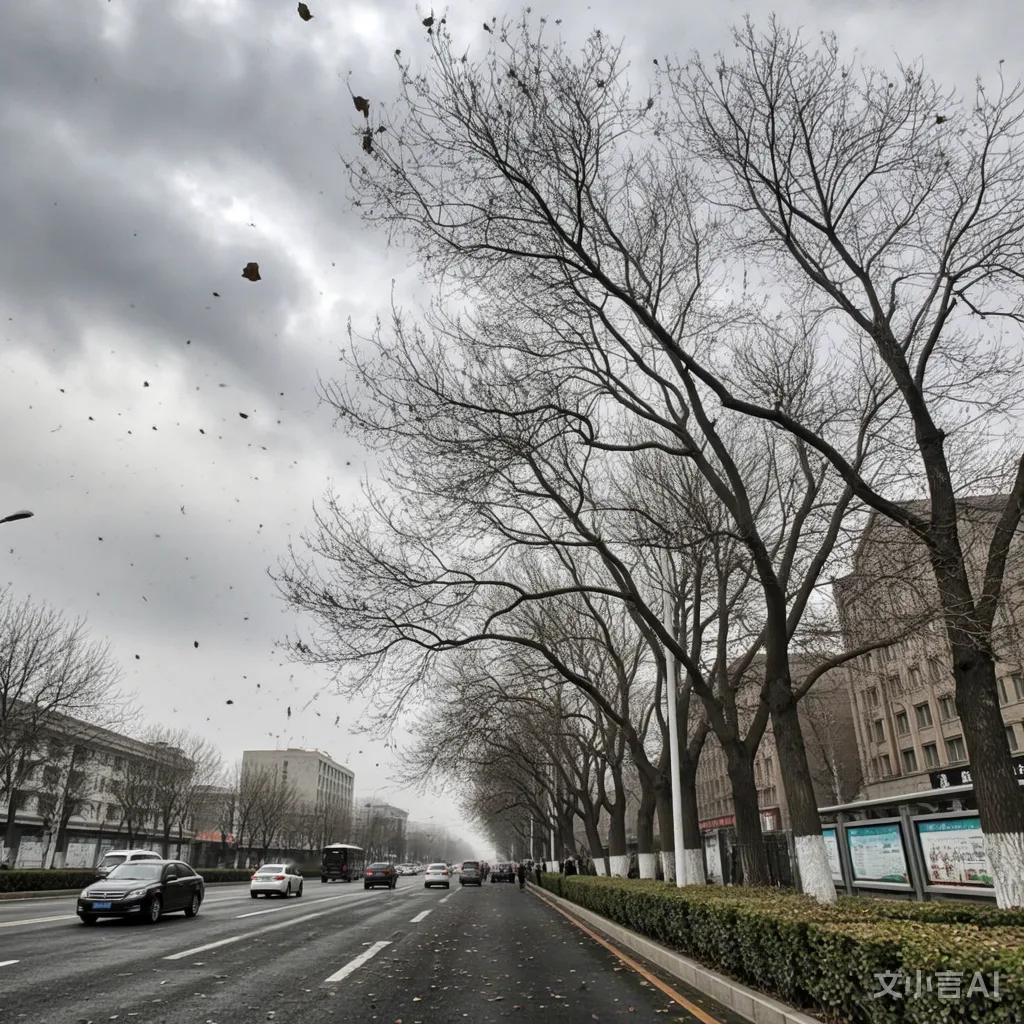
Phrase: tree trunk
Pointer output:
(618, 855)
(811, 855)
(749, 842)
(646, 857)
(12, 834)
(693, 842)
(999, 798)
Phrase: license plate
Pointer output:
(101, 906)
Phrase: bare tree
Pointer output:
(896, 213)
(49, 670)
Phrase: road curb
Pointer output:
(754, 1006)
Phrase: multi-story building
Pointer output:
(381, 829)
(78, 800)
(826, 716)
(318, 779)
(906, 725)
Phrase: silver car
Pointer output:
(276, 880)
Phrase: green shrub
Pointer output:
(40, 879)
(833, 960)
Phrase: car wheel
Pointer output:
(447, 885)
(193, 908)
(253, 895)
(87, 918)
(322, 879)
(366, 885)
(299, 893)
(153, 910)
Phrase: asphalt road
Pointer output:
(338, 954)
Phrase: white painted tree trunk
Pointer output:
(815, 873)
(619, 865)
(668, 864)
(648, 865)
(600, 867)
(552, 866)
(1006, 855)
(693, 867)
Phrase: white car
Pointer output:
(405, 869)
(276, 880)
(437, 874)
(115, 858)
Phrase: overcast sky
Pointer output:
(150, 149)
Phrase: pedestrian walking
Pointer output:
(537, 868)
(570, 866)
(521, 875)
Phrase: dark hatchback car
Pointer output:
(145, 889)
(503, 873)
(471, 873)
(380, 874)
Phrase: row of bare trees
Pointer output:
(683, 341)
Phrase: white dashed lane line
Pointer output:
(36, 920)
(8, 963)
(419, 917)
(354, 965)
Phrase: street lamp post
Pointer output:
(673, 724)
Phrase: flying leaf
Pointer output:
(304, 13)
(251, 272)
(362, 105)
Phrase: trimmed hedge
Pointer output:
(829, 959)
(44, 879)
(41, 879)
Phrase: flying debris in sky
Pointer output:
(304, 13)
(251, 272)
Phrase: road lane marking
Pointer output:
(7, 963)
(285, 906)
(450, 895)
(252, 934)
(653, 979)
(354, 965)
(419, 917)
(37, 920)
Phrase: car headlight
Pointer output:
(134, 893)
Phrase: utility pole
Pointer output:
(673, 724)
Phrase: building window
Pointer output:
(924, 715)
(955, 747)
(872, 697)
(1018, 684)
(931, 755)
(1002, 691)
(902, 723)
(1011, 736)
(878, 729)
(915, 677)
(886, 766)
(947, 708)
(909, 760)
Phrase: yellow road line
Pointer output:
(701, 1015)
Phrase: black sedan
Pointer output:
(145, 889)
(503, 873)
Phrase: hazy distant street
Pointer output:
(485, 954)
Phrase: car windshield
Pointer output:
(470, 865)
(142, 870)
(380, 864)
(112, 859)
(438, 867)
(271, 868)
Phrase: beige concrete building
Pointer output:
(318, 779)
(908, 733)
(826, 716)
